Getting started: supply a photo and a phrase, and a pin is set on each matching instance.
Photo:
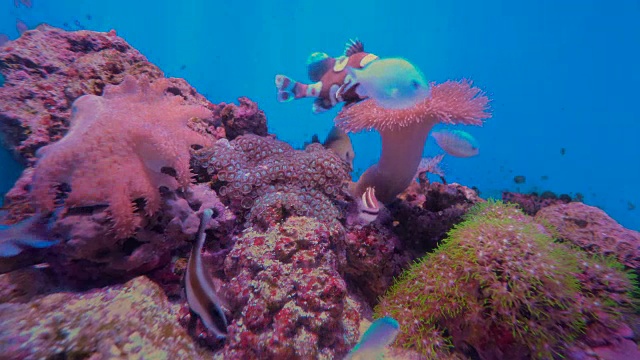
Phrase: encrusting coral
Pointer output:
(501, 288)
(290, 299)
(120, 147)
(404, 132)
(271, 180)
(594, 231)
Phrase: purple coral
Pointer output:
(271, 181)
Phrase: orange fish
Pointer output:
(332, 85)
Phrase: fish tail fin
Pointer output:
(9, 249)
(285, 86)
(289, 89)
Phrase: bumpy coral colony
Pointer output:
(125, 168)
(500, 287)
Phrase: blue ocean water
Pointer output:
(561, 75)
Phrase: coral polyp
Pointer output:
(501, 287)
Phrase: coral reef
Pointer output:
(427, 211)
(132, 321)
(270, 180)
(243, 119)
(499, 287)
(532, 203)
(593, 230)
(121, 146)
(290, 300)
(374, 256)
(46, 69)
(89, 251)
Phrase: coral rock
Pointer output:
(241, 119)
(374, 256)
(89, 252)
(532, 203)
(116, 149)
(269, 180)
(593, 230)
(292, 300)
(46, 69)
(132, 321)
(428, 211)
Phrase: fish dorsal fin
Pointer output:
(353, 47)
(318, 64)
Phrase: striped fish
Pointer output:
(368, 206)
(201, 294)
(329, 76)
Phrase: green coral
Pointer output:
(501, 285)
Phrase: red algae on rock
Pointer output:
(291, 300)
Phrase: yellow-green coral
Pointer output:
(500, 284)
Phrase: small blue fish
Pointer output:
(31, 233)
(381, 333)
(456, 143)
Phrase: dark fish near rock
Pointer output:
(340, 143)
(201, 294)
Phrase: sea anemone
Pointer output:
(404, 132)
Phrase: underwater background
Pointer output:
(163, 198)
(562, 76)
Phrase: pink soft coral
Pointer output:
(115, 150)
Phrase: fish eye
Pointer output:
(415, 84)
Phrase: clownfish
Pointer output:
(331, 83)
